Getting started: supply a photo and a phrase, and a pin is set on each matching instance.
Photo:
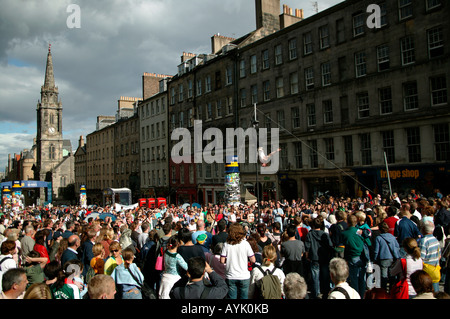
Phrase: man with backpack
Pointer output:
(336, 231)
(197, 287)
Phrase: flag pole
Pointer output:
(255, 125)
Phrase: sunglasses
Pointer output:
(114, 250)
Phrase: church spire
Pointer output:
(49, 82)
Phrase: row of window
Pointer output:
(386, 101)
(157, 153)
(441, 140)
(154, 178)
(105, 153)
(123, 130)
(155, 107)
(413, 144)
(408, 56)
(155, 130)
(205, 170)
(178, 176)
(406, 7)
(179, 94)
(106, 169)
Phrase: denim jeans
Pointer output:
(320, 275)
(357, 275)
(385, 268)
(133, 293)
(436, 286)
(238, 289)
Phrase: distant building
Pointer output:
(126, 146)
(110, 156)
(51, 158)
(154, 154)
(81, 168)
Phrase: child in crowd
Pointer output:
(98, 261)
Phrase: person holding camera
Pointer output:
(197, 287)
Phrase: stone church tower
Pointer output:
(54, 158)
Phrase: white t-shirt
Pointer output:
(237, 260)
(353, 294)
(9, 263)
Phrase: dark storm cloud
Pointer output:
(118, 41)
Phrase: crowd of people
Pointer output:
(330, 248)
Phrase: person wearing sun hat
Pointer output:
(201, 230)
(201, 239)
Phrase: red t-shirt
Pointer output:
(391, 221)
(42, 251)
(302, 231)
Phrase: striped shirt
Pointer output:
(430, 250)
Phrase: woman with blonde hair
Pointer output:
(106, 237)
(115, 259)
(268, 265)
(38, 291)
(413, 262)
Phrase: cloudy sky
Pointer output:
(118, 40)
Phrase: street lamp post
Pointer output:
(255, 126)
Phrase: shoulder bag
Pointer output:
(146, 290)
(400, 290)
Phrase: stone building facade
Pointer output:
(110, 156)
(127, 146)
(342, 94)
(154, 155)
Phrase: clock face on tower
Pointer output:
(51, 130)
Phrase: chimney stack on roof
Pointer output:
(187, 56)
(287, 18)
(218, 42)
